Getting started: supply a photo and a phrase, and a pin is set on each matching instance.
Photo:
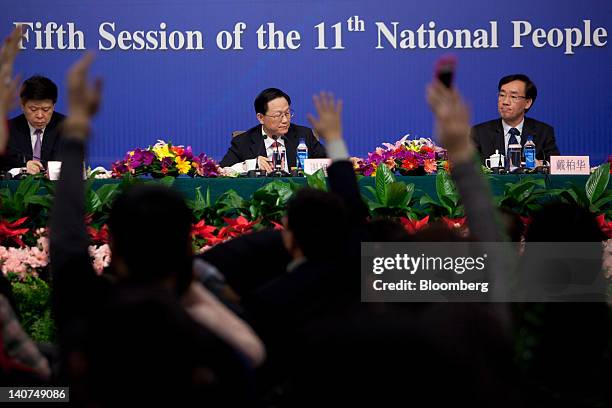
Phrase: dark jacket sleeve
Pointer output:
(72, 270)
(233, 155)
(550, 145)
(315, 149)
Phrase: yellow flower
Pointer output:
(161, 151)
(182, 165)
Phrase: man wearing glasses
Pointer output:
(516, 95)
(255, 148)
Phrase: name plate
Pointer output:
(312, 165)
(570, 165)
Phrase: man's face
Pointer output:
(38, 113)
(512, 102)
(277, 119)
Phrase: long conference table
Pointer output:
(245, 187)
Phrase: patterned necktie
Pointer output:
(37, 145)
(514, 132)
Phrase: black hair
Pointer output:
(150, 227)
(38, 88)
(267, 95)
(319, 223)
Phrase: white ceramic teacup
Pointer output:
(495, 161)
(53, 169)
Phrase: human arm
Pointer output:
(207, 310)
(73, 273)
(8, 83)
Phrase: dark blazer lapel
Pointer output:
(258, 148)
(291, 146)
(499, 142)
(49, 140)
(528, 130)
(24, 141)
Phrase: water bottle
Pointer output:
(529, 151)
(302, 154)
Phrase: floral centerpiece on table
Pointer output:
(164, 159)
(406, 157)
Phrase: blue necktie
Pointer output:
(514, 132)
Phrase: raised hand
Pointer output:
(83, 98)
(8, 83)
(329, 123)
(452, 121)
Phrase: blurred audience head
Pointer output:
(316, 225)
(561, 222)
(512, 224)
(386, 230)
(150, 227)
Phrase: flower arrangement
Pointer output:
(406, 157)
(164, 159)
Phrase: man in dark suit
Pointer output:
(34, 136)
(254, 148)
(516, 95)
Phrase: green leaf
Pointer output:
(229, 201)
(27, 187)
(597, 182)
(45, 201)
(167, 181)
(384, 177)
(372, 191)
(581, 197)
(317, 180)
(445, 187)
(397, 195)
(92, 202)
(107, 193)
(604, 199)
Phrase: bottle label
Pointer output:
(530, 160)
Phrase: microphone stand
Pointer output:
(278, 160)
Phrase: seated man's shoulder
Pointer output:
(489, 124)
(536, 123)
(301, 129)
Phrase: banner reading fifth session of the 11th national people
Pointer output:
(188, 70)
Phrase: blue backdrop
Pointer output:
(198, 97)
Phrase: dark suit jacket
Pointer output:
(250, 144)
(19, 148)
(489, 136)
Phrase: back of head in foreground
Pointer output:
(150, 228)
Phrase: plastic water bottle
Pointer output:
(529, 151)
(302, 154)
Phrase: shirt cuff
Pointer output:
(245, 166)
(336, 150)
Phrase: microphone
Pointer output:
(278, 158)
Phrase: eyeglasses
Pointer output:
(513, 98)
(279, 115)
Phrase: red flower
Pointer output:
(9, 230)
(605, 226)
(236, 227)
(98, 236)
(277, 226)
(412, 226)
(453, 223)
(201, 230)
(410, 163)
(178, 150)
